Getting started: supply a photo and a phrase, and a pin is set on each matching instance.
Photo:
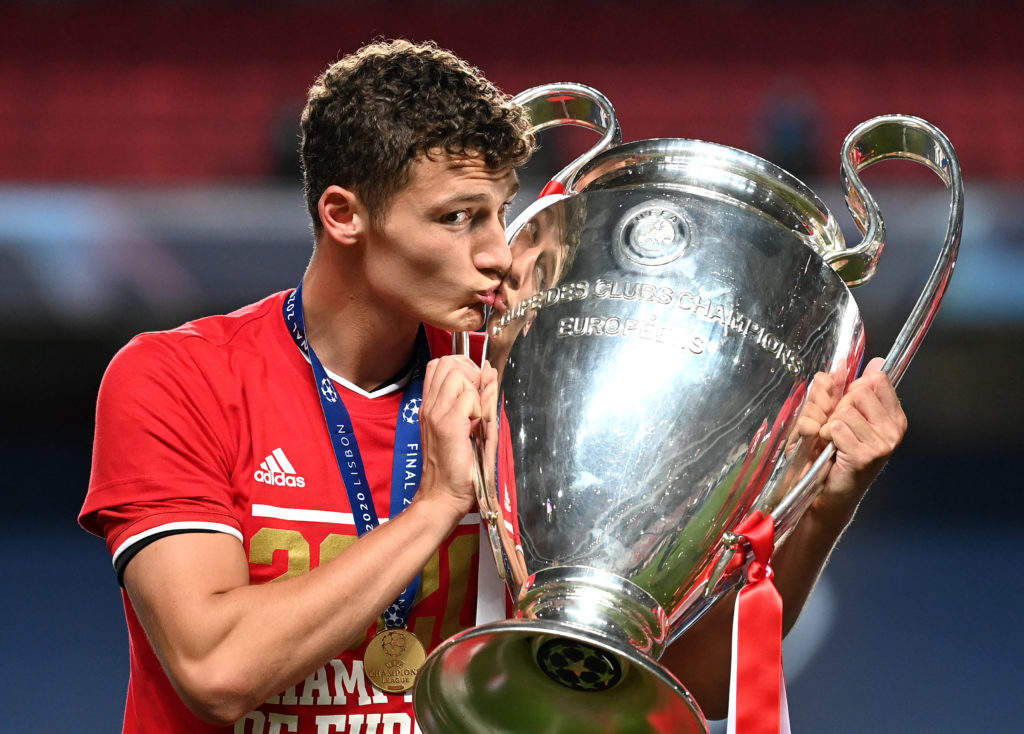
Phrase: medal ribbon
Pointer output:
(757, 697)
(407, 464)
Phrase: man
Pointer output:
(219, 444)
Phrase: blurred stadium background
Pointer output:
(148, 174)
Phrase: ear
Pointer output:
(342, 214)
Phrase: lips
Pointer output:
(493, 298)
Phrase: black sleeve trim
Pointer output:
(129, 553)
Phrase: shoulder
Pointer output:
(212, 338)
(200, 369)
(239, 326)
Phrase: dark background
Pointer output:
(148, 175)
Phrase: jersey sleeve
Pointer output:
(162, 454)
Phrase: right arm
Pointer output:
(227, 645)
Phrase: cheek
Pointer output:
(440, 265)
(422, 281)
(417, 260)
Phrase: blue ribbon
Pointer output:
(407, 466)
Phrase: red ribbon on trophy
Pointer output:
(757, 695)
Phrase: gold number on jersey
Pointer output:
(267, 541)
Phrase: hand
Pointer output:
(866, 427)
(815, 412)
(457, 398)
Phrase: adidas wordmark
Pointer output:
(277, 471)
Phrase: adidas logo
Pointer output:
(276, 470)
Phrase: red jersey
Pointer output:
(217, 426)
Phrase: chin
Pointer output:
(469, 319)
(474, 323)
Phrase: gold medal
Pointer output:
(393, 658)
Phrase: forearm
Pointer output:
(227, 646)
(799, 560)
(865, 426)
(701, 658)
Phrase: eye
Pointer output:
(459, 217)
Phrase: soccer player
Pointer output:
(272, 443)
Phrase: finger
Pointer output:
(438, 371)
(816, 407)
(890, 402)
(877, 401)
(429, 388)
(461, 364)
(457, 396)
(864, 429)
(817, 410)
(846, 428)
(810, 425)
(851, 452)
(875, 365)
(810, 420)
(489, 391)
(821, 392)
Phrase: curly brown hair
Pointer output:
(371, 114)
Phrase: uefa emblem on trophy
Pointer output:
(669, 304)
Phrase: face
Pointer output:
(538, 253)
(538, 257)
(440, 254)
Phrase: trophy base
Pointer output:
(519, 676)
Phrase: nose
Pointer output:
(491, 253)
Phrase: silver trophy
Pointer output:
(669, 304)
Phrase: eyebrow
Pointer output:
(460, 199)
(457, 199)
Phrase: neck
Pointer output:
(351, 336)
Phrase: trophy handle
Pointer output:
(907, 138)
(565, 103)
(881, 138)
(568, 103)
(878, 139)
(548, 106)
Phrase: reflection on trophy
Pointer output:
(657, 340)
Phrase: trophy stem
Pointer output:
(607, 606)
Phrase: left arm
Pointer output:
(866, 426)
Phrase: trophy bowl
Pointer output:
(657, 337)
